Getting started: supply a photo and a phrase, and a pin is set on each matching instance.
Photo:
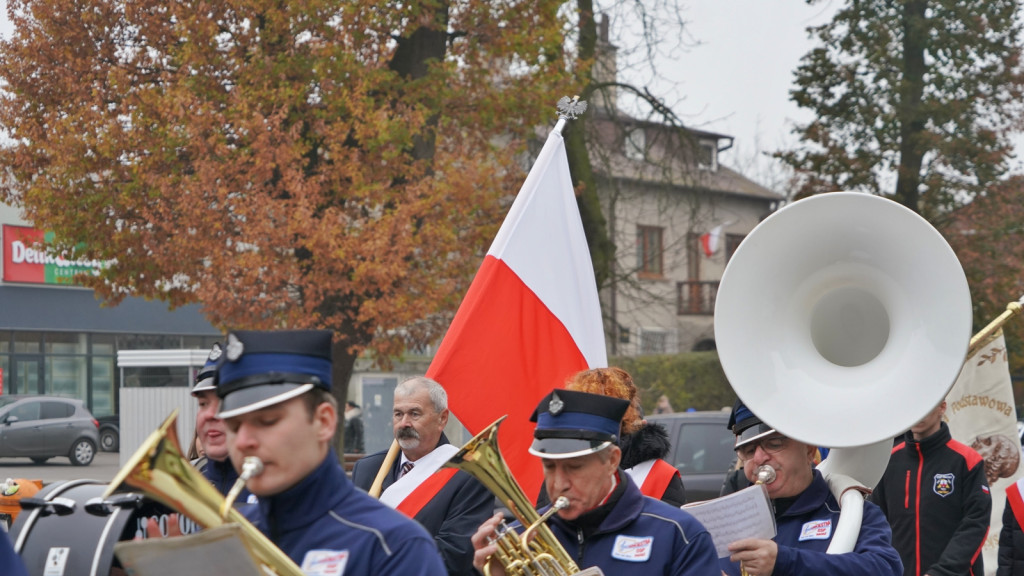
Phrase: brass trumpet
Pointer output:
(160, 471)
(536, 551)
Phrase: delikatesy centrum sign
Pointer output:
(25, 259)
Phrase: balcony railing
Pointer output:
(696, 297)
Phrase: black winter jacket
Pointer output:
(1011, 545)
(936, 498)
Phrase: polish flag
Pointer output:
(709, 241)
(530, 318)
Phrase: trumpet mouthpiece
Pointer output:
(765, 474)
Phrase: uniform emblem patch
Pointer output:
(632, 548)
(943, 484)
(816, 530)
(325, 562)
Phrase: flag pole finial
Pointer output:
(569, 109)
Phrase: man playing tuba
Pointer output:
(806, 513)
(607, 523)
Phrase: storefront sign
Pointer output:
(25, 260)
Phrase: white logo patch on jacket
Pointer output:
(632, 548)
(325, 562)
(816, 530)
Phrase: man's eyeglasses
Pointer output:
(770, 445)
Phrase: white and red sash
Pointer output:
(411, 492)
(653, 477)
(1014, 494)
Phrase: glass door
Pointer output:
(27, 375)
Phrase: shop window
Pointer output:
(27, 342)
(103, 387)
(66, 343)
(103, 344)
(66, 376)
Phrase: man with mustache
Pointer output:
(450, 504)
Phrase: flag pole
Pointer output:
(990, 332)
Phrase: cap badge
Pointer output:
(235, 348)
(216, 352)
(556, 405)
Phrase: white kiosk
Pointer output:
(153, 384)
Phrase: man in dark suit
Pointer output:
(450, 504)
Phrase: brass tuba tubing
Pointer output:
(160, 471)
(482, 459)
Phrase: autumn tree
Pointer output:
(912, 99)
(286, 164)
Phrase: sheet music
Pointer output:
(215, 551)
(744, 514)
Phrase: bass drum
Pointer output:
(68, 529)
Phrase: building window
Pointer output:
(636, 144)
(732, 242)
(653, 341)
(707, 156)
(649, 251)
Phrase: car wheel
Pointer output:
(39, 460)
(82, 452)
(109, 440)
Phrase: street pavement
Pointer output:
(103, 468)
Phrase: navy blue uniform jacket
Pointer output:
(641, 535)
(10, 563)
(452, 516)
(324, 518)
(805, 531)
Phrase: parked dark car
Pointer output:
(701, 450)
(44, 427)
(110, 433)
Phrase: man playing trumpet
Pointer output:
(806, 513)
(276, 401)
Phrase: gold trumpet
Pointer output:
(160, 471)
(536, 551)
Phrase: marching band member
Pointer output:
(806, 513)
(10, 562)
(450, 504)
(276, 401)
(608, 523)
(212, 435)
(644, 446)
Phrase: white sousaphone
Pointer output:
(841, 320)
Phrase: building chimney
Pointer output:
(605, 69)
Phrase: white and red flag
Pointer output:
(710, 241)
(530, 319)
(981, 414)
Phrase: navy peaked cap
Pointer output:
(262, 368)
(571, 423)
(206, 378)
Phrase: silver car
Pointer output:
(42, 427)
